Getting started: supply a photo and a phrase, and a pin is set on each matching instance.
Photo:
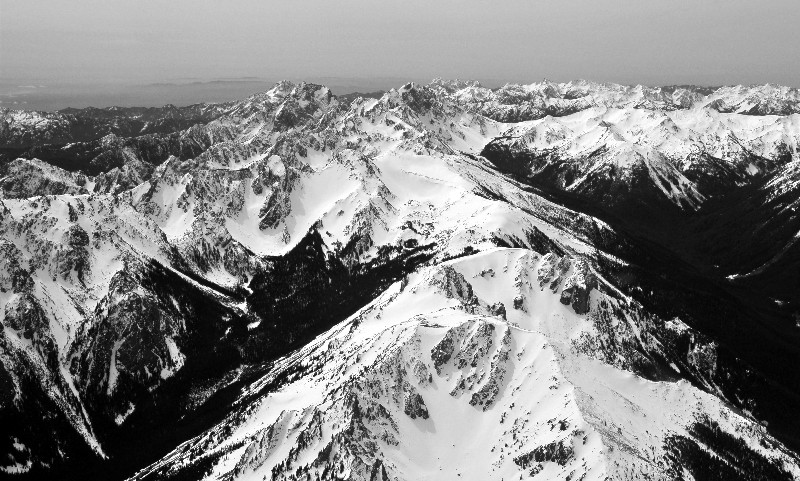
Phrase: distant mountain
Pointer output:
(443, 281)
(23, 129)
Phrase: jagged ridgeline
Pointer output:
(545, 281)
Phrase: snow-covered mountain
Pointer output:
(399, 288)
(487, 367)
(631, 154)
(22, 129)
(515, 103)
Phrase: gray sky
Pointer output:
(627, 41)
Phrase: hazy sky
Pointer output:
(628, 41)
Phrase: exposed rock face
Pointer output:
(74, 257)
(14, 276)
(487, 394)
(23, 178)
(573, 277)
(24, 315)
(415, 406)
(453, 284)
(553, 452)
(276, 206)
(578, 286)
(498, 309)
(132, 346)
(122, 178)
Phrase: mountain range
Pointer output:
(547, 281)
